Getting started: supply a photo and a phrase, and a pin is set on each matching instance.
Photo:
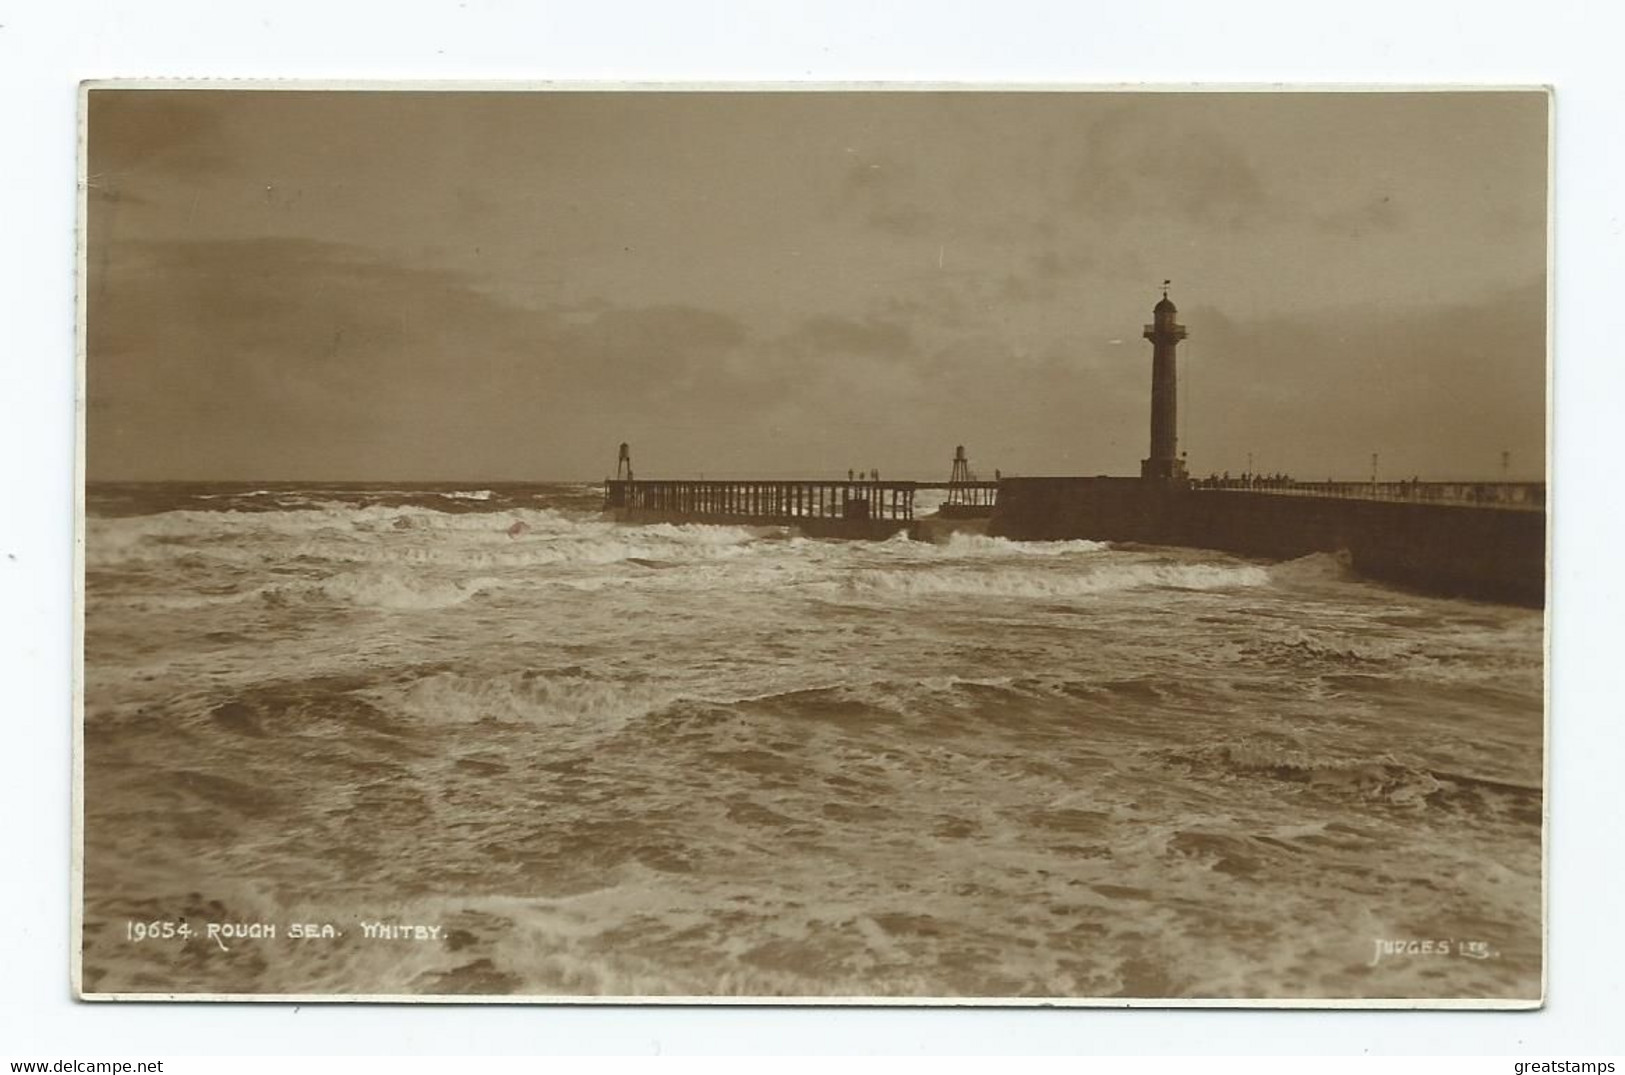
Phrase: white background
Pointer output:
(46, 47)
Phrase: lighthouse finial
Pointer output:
(1166, 284)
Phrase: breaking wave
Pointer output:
(528, 697)
(966, 544)
(1385, 778)
(1316, 567)
(1380, 776)
(397, 592)
(1099, 579)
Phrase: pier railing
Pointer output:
(769, 501)
(1526, 496)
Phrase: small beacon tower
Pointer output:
(1164, 333)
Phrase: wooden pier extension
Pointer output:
(823, 508)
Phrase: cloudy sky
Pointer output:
(467, 286)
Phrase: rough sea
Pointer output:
(535, 752)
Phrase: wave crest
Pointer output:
(385, 590)
(528, 697)
(1051, 584)
(1381, 777)
(967, 544)
(1316, 567)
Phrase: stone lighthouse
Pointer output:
(1164, 332)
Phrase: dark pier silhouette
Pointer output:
(1482, 540)
(873, 506)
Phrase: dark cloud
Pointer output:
(1049, 265)
(828, 335)
(107, 193)
(267, 357)
(1435, 390)
(177, 132)
(1130, 167)
(1051, 272)
(655, 340)
(1376, 214)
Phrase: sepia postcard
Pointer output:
(899, 545)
